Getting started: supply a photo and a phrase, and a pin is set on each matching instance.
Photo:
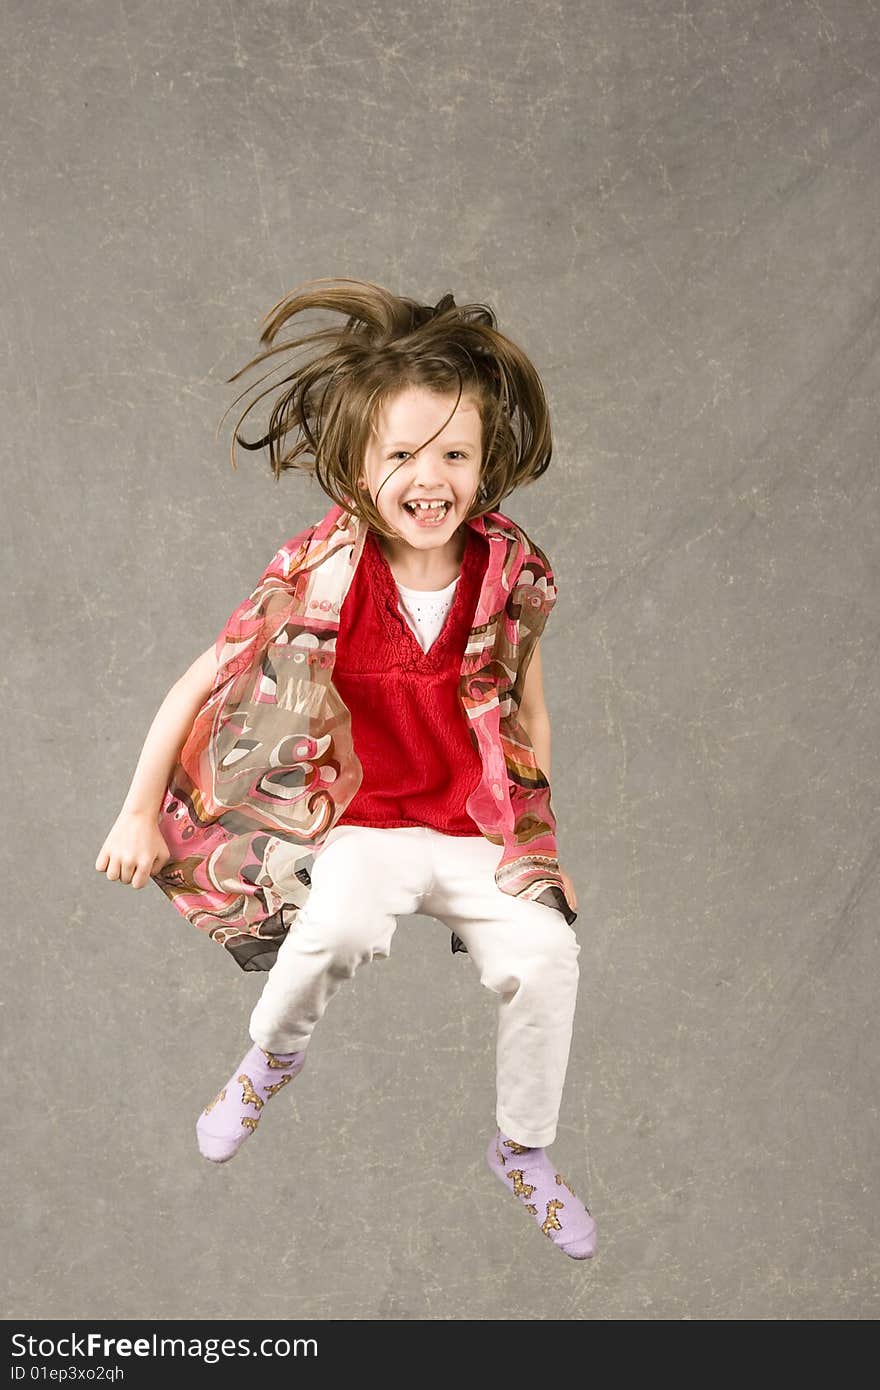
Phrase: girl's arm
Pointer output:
(533, 714)
(134, 849)
(167, 735)
(535, 720)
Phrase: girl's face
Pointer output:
(445, 471)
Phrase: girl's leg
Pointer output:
(362, 878)
(527, 954)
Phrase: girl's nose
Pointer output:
(425, 470)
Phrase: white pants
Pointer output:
(363, 878)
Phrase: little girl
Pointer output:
(376, 704)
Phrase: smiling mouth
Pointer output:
(431, 510)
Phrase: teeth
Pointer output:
(426, 506)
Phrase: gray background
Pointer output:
(674, 208)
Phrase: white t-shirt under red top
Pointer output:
(425, 610)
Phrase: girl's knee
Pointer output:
(540, 970)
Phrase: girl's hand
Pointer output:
(134, 849)
(570, 894)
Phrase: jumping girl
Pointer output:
(376, 705)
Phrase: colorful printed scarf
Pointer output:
(269, 765)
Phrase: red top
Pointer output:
(409, 729)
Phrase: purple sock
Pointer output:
(545, 1194)
(235, 1112)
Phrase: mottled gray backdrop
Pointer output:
(674, 208)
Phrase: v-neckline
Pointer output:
(393, 618)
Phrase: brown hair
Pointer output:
(329, 403)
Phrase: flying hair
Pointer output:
(325, 406)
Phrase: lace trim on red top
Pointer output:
(399, 631)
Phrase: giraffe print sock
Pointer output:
(235, 1112)
(545, 1194)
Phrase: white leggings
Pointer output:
(363, 879)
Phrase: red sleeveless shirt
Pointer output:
(408, 725)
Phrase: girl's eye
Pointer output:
(399, 452)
